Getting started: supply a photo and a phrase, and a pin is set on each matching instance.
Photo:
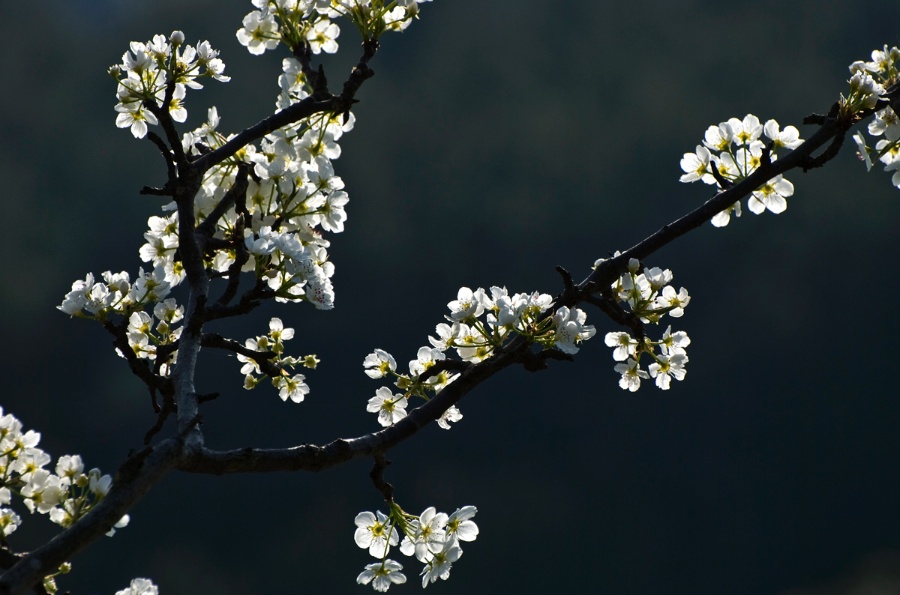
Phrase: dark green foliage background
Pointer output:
(497, 140)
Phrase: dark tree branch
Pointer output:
(361, 72)
(168, 408)
(198, 283)
(7, 558)
(139, 367)
(248, 302)
(338, 104)
(138, 474)
(164, 116)
(310, 457)
(294, 113)
(315, 77)
(151, 191)
(377, 476)
(234, 269)
(171, 172)
(616, 313)
(570, 291)
(537, 361)
(829, 153)
(239, 188)
(241, 253)
(263, 359)
(607, 271)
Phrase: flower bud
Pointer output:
(177, 38)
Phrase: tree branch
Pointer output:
(138, 366)
(198, 284)
(238, 189)
(263, 359)
(831, 126)
(339, 104)
(136, 476)
(311, 457)
(248, 302)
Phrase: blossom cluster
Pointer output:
(434, 538)
(390, 406)
(155, 76)
(648, 297)
(733, 150)
(65, 494)
(116, 294)
(479, 322)
(296, 22)
(275, 230)
(869, 80)
(270, 347)
(867, 86)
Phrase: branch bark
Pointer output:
(137, 475)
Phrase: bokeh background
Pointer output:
(497, 140)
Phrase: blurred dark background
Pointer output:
(497, 140)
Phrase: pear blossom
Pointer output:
(697, 166)
(887, 123)
(671, 341)
(428, 535)
(375, 533)
(863, 150)
(136, 117)
(745, 131)
(673, 301)
(76, 299)
(293, 388)
(668, 366)
(322, 37)
(625, 345)
(446, 336)
(788, 138)
(440, 563)
(9, 521)
(120, 524)
(467, 304)
(140, 586)
(451, 415)
(460, 526)
(722, 218)
(718, 138)
(772, 195)
(382, 575)
(379, 364)
(390, 408)
(631, 375)
(259, 33)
